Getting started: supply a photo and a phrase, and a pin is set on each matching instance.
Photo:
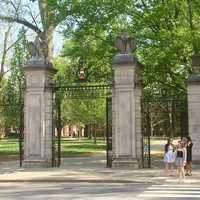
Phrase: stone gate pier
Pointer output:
(194, 107)
(38, 114)
(126, 108)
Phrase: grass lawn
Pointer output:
(84, 147)
(9, 148)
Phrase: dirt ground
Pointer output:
(4, 158)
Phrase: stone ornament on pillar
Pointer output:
(125, 44)
(38, 51)
(125, 113)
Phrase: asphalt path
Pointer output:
(97, 191)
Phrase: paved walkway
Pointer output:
(88, 169)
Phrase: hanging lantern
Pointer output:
(82, 75)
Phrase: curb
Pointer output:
(125, 181)
(76, 181)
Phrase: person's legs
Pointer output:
(179, 173)
(167, 169)
(190, 168)
(171, 169)
(186, 169)
(182, 173)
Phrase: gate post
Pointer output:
(194, 107)
(38, 114)
(126, 108)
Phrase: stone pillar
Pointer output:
(38, 114)
(138, 111)
(194, 107)
(126, 113)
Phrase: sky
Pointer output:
(58, 38)
(58, 42)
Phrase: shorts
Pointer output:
(179, 162)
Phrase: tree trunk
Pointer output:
(171, 118)
(49, 40)
(49, 23)
(86, 131)
(3, 59)
(94, 134)
(6, 132)
(90, 131)
(47, 17)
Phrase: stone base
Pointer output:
(196, 162)
(125, 164)
(195, 158)
(36, 164)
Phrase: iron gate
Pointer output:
(109, 155)
(79, 92)
(166, 118)
(18, 123)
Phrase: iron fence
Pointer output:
(79, 92)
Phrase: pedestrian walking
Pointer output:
(180, 160)
(188, 167)
(169, 157)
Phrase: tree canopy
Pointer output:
(167, 35)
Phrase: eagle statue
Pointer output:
(38, 48)
(125, 44)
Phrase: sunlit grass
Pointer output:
(9, 148)
(82, 147)
(73, 147)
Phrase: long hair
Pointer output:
(189, 139)
(167, 145)
(184, 141)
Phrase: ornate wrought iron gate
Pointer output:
(109, 131)
(79, 92)
(166, 118)
(56, 129)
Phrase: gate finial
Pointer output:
(125, 43)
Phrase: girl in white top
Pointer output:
(169, 157)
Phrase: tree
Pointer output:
(80, 112)
(71, 14)
(6, 45)
(85, 112)
(5, 50)
(166, 34)
(50, 17)
(12, 96)
(163, 33)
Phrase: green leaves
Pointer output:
(84, 111)
(11, 95)
(165, 40)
